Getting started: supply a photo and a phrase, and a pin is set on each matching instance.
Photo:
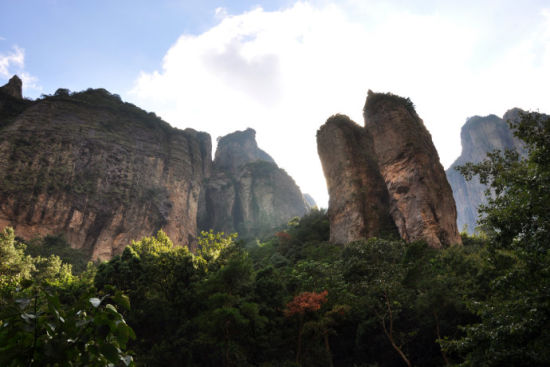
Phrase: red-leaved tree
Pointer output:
(302, 303)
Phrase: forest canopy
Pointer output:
(294, 299)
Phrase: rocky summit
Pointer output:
(389, 168)
(103, 172)
(479, 136)
(247, 192)
(13, 88)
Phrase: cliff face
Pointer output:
(358, 197)
(100, 171)
(479, 135)
(390, 168)
(421, 199)
(247, 193)
(236, 150)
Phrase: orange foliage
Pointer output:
(305, 301)
(283, 236)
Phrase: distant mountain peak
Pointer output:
(237, 149)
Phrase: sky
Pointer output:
(283, 67)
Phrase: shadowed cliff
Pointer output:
(247, 192)
(98, 170)
(479, 136)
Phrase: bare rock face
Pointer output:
(14, 87)
(237, 149)
(100, 171)
(386, 177)
(421, 200)
(479, 136)
(359, 203)
(247, 193)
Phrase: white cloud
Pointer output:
(13, 62)
(285, 72)
(13, 59)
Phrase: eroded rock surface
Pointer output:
(359, 200)
(479, 136)
(100, 171)
(247, 192)
(237, 149)
(421, 199)
(386, 174)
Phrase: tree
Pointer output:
(159, 279)
(514, 316)
(15, 266)
(49, 317)
(301, 304)
(37, 329)
(376, 272)
(229, 320)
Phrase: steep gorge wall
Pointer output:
(101, 171)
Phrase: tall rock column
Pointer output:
(359, 200)
(421, 200)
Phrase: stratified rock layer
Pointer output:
(100, 171)
(359, 200)
(247, 193)
(421, 200)
(479, 136)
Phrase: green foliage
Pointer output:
(15, 266)
(57, 245)
(48, 317)
(37, 329)
(211, 245)
(374, 101)
(160, 282)
(101, 98)
(387, 303)
(513, 316)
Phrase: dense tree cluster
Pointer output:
(294, 299)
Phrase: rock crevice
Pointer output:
(387, 169)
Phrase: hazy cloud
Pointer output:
(13, 62)
(285, 72)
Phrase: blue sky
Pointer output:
(101, 43)
(283, 67)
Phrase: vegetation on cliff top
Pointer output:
(375, 101)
